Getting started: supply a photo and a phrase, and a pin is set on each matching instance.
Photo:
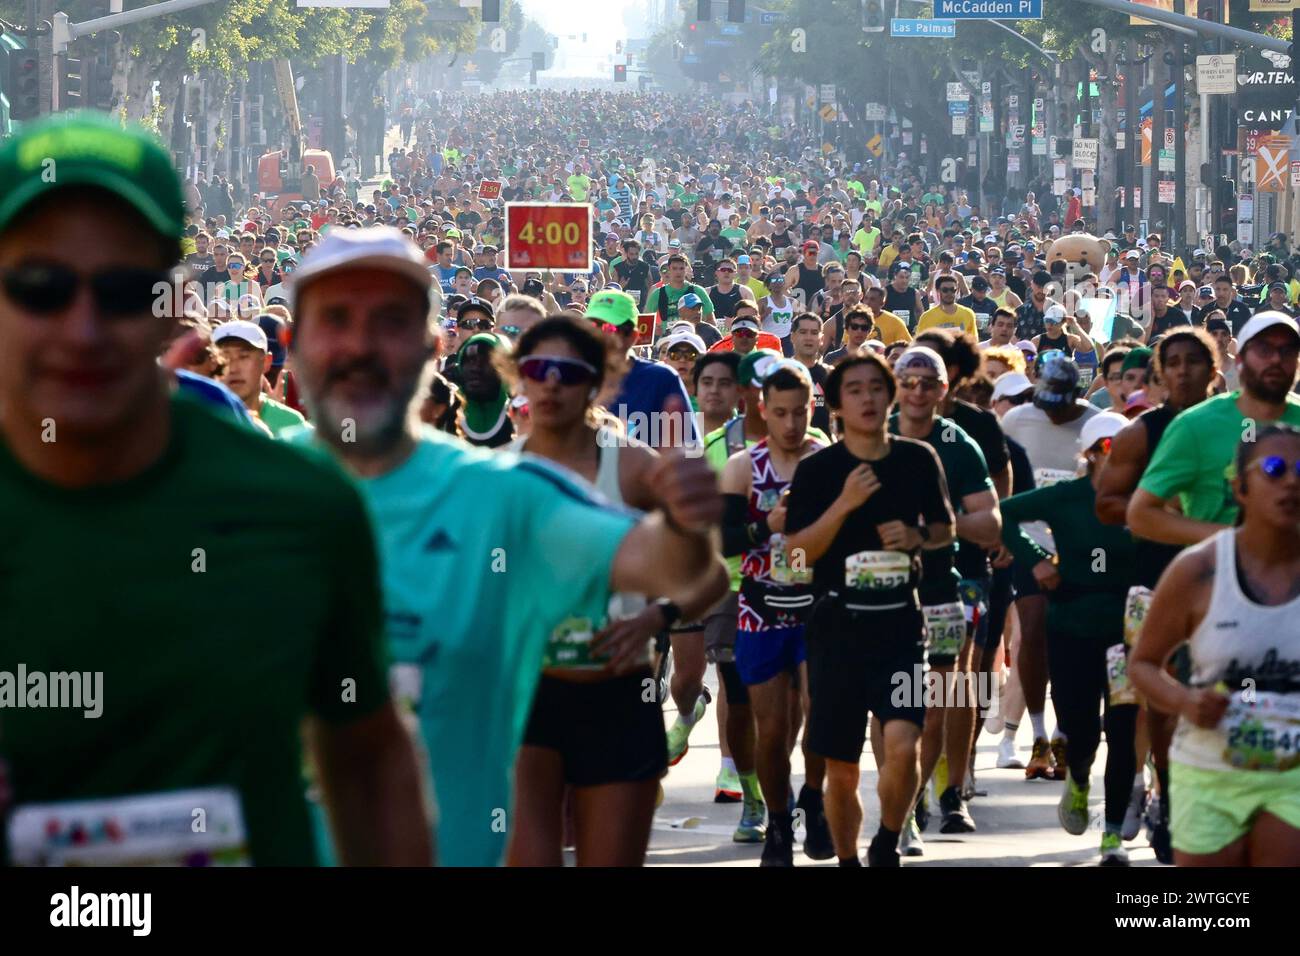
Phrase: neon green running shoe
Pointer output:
(1072, 811)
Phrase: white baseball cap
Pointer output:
(243, 330)
(375, 247)
(685, 338)
(1054, 313)
(1011, 384)
(918, 356)
(1262, 321)
(1105, 425)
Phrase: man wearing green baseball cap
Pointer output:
(124, 486)
(651, 399)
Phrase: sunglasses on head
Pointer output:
(49, 289)
(556, 368)
(1275, 466)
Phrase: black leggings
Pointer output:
(1077, 666)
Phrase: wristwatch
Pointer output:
(671, 612)
(924, 531)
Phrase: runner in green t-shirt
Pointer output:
(216, 592)
(1194, 460)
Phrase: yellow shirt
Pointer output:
(758, 288)
(890, 329)
(887, 257)
(936, 318)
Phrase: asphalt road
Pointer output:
(1016, 820)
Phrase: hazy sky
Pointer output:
(601, 21)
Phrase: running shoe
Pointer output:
(679, 735)
(778, 847)
(1060, 759)
(1112, 850)
(1007, 759)
(1158, 830)
(1040, 762)
(909, 841)
(921, 812)
(726, 788)
(956, 818)
(1133, 815)
(879, 856)
(1072, 811)
(751, 829)
(817, 843)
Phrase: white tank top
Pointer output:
(1237, 637)
(780, 319)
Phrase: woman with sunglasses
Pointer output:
(242, 295)
(1234, 600)
(1086, 586)
(590, 730)
(268, 273)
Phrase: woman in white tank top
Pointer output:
(1235, 599)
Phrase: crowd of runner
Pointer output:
(898, 473)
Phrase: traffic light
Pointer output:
(491, 11)
(620, 74)
(539, 61)
(73, 87)
(22, 84)
(1207, 175)
(735, 11)
(873, 16)
(704, 10)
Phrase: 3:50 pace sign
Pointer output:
(548, 236)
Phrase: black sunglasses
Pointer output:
(49, 289)
(482, 324)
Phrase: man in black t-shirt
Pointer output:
(806, 339)
(632, 272)
(861, 511)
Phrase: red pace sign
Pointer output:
(548, 236)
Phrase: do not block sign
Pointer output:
(548, 236)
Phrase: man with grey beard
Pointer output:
(482, 554)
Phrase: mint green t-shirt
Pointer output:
(482, 554)
(1196, 457)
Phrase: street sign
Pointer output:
(876, 146)
(548, 236)
(1169, 137)
(1167, 191)
(1084, 154)
(875, 112)
(960, 108)
(1137, 203)
(1295, 174)
(828, 92)
(828, 112)
(989, 9)
(959, 126)
(1216, 74)
(986, 117)
(1058, 169)
(1119, 139)
(1089, 197)
(1166, 163)
(769, 18)
(1038, 147)
(1013, 102)
(730, 30)
(957, 93)
(923, 28)
(489, 189)
(1013, 164)
(1058, 187)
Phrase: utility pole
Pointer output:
(1178, 228)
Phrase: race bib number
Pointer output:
(201, 827)
(1046, 477)
(1121, 690)
(945, 628)
(570, 646)
(1264, 734)
(877, 570)
(782, 572)
(1135, 612)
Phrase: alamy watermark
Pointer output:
(920, 687)
(75, 690)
